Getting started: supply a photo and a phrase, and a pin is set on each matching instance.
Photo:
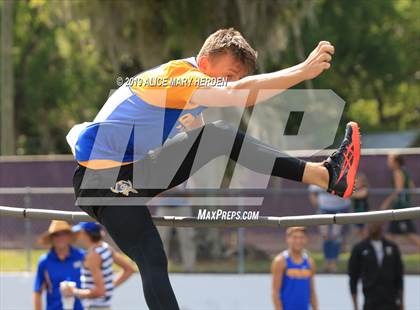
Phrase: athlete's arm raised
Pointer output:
(245, 91)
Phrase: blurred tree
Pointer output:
(376, 64)
(7, 128)
(148, 32)
(60, 75)
(67, 54)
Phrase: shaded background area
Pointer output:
(251, 294)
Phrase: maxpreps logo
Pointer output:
(219, 214)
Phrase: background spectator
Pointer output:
(332, 235)
(97, 276)
(61, 263)
(360, 201)
(400, 199)
(293, 273)
(377, 262)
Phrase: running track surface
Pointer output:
(208, 291)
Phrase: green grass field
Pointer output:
(16, 260)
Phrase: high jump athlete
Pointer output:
(139, 128)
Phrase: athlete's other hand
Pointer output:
(318, 60)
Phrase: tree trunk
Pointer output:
(7, 129)
(381, 103)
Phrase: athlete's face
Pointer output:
(296, 241)
(222, 66)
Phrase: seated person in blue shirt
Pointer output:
(61, 263)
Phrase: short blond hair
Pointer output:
(291, 230)
(230, 40)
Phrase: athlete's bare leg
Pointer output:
(316, 174)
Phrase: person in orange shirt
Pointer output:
(150, 136)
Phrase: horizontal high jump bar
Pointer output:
(262, 221)
(244, 192)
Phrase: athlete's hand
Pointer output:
(318, 60)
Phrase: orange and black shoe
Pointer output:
(342, 164)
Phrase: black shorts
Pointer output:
(402, 227)
(124, 174)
